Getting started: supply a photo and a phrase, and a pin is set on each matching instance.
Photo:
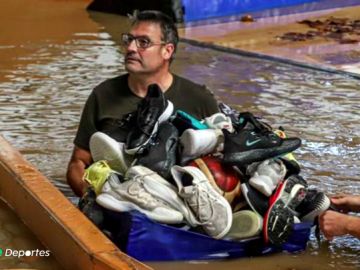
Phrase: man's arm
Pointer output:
(79, 161)
(336, 224)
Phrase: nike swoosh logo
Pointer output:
(248, 143)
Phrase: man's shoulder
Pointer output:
(188, 84)
(192, 88)
(111, 84)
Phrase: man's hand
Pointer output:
(80, 160)
(346, 203)
(336, 224)
(333, 224)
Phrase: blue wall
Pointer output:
(205, 9)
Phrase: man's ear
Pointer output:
(168, 51)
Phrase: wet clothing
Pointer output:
(110, 101)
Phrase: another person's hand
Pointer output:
(333, 224)
(346, 203)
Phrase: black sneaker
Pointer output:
(257, 201)
(152, 111)
(161, 153)
(252, 145)
(118, 129)
(230, 112)
(313, 205)
(278, 224)
(297, 179)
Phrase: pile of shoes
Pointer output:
(176, 169)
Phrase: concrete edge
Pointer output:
(315, 67)
(74, 241)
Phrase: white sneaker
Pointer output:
(132, 195)
(219, 121)
(266, 175)
(161, 189)
(196, 143)
(212, 210)
(103, 147)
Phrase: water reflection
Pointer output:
(41, 99)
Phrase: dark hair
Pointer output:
(167, 25)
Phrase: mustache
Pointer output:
(131, 56)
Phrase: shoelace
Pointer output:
(142, 193)
(202, 194)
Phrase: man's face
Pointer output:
(146, 60)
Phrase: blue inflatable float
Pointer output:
(151, 241)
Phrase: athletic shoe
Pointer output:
(219, 121)
(134, 195)
(231, 113)
(88, 206)
(97, 174)
(152, 111)
(196, 143)
(266, 175)
(212, 211)
(297, 179)
(103, 147)
(312, 206)
(161, 189)
(224, 179)
(183, 121)
(161, 153)
(250, 146)
(119, 129)
(257, 201)
(245, 224)
(278, 224)
(279, 218)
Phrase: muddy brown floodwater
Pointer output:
(54, 52)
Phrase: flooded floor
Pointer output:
(53, 53)
(264, 36)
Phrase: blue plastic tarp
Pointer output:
(151, 241)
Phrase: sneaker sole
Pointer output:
(245, 224)
(290, 193)
(247, 157)
(278, 224)
(162, 215)
(103, 147)
(162, 118)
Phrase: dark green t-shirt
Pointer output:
(113, 99)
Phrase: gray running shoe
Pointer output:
(132, 195)
(103, 147)
(211, 210)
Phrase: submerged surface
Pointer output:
(55, 55)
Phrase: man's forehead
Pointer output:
(146, 28)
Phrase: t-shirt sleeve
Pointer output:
(87, 125)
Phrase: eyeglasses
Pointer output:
(142, 42)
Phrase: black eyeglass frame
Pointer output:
(127, 38)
